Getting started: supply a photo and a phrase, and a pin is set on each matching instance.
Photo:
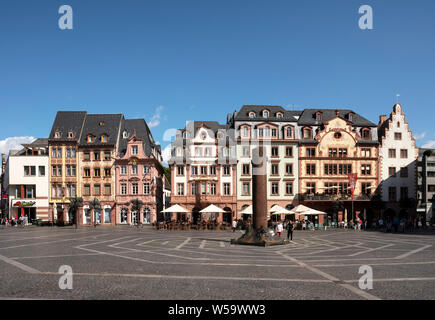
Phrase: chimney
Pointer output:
(382, 119)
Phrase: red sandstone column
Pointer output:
(259, 189)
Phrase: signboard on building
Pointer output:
(24, 204)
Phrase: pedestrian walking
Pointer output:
(279, 228)
(290, 228)
(234, 225)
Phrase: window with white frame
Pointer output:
(146, 188)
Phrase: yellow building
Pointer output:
(334, 144)
(63, 163)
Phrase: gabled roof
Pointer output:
(67, 121)
(142, 131)
(110, 126)
(308, 117)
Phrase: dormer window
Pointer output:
(365, 133)
(351, 117)
(104, 138)
(90, 139)
(101, 123)
(279, 115)
(265, 114)
(251, 115)
(124, 134)
(308, 133)
(70, 134)
(57, 135)
(318, 116)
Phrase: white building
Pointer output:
(277, 130)
(203, 169)
(398, 156)
(26, 181)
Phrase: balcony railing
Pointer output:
(334, 197)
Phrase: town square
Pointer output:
(142, 263)
(242, 151)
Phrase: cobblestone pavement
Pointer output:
(141, 263)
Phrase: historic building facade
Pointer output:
(26, 182)
(398, 156)
(139, 175)
(98, 146)
(203, 170)
(277, 130)
(82, 152)
(63, 163)
(334, 144)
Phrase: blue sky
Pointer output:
(176, 60)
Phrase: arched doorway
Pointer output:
(227, 215)
(196, 215)
(245, 216)
(146, 216)
(123, 216)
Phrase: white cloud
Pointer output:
(14, 143)
(429, 145)
(420, 136)
(155, 119)
(166, 154)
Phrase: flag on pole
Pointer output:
(352, 183)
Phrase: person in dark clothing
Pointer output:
(290, 228)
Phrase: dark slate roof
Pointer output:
(40, 142)
(66, 121)
(111, 125)
(243, 114)
(308, 117)
(142, 131)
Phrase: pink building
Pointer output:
(139, 175)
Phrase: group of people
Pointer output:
(289, 226)
(15, 221)
(397, 224)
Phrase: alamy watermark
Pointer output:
(66, 280)
(66, 20)
(366, 280)
(366, 20)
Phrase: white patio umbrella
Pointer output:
(212, 209)
(301, 209)
(175, 209)
(247, 210)
(276, 208)
(313, 212)
(284, 211)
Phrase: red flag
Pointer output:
(352, 183)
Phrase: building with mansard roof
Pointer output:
(203, 171)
